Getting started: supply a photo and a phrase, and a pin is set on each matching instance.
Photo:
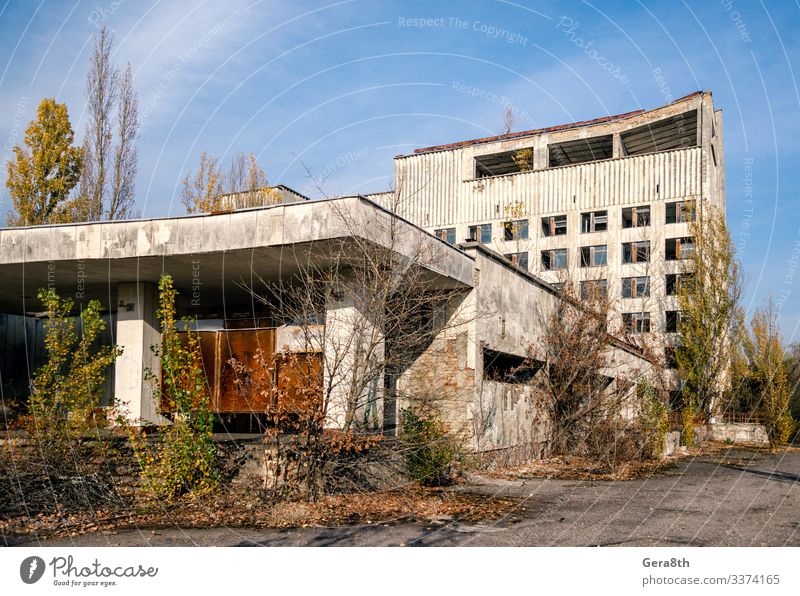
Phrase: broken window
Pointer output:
(520, 259)
(446, 234)
(594, 288)
(635, 287)
(508, 368)
(500, 164)
(636, 322)
(481, 233)
(636, 252)
(636, 217)
(594, 256)
(595, 221)
(674, 282)
(554, 259)
(678, 248)
(670, 360)
(673, 321)
(555, 225)
(675, 132)
(580, 151)
(680, 212)
(515, 230)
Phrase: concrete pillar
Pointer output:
(354, 357)
(137, 331)
(617, 149)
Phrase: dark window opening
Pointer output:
(594, 289)
(500, 164)
(515, 230)
(636, 252)
(596, 221)
(508, 368)
(680, 212)
(580, 151)
(554, 259)
(636, 322)
(594, 256)
(635, 287)
(673, 321)
(555, 225)
(481, 233)
(678, 248)
(670, 359)
(676, 132)
(675, 281)
(520, 259)
(446, 234)
(636, 217)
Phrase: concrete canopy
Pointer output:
(214, 253)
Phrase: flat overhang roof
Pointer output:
(212, 254)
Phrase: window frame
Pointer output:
(591, 218)
(521, 233)
(636, 215)
(551, 259)
(588, 254)
(479, 236)
(634, 249)
(444, 234)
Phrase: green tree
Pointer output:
(711, 317)
(766, 378)
(42, 175)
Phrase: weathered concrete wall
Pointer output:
(740, 433)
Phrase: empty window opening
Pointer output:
(554, 259)
(594, 256)
(580, 151)
(636, 252)
(502, 367)
(676, 132)
(520, 259)
(594, 289)
(595, 221)
(670, 359)
(481, 233)
(507, 162)
(678, 248)
(636, 217)
(674, 281)
(680, 212)
(673, 321)
(635, 287)
(555, 225)
(636, 322)
(446, 234)
(515, 230)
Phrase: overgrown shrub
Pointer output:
(428, 449)
(67, 389)
(182, 458)
(653, 419)
(613, 443)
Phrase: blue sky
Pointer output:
(340, 88)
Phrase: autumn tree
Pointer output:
(711, 316)
(766, 380)
(44, 172)
(109, 169)
(205, 189)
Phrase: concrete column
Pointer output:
(617, 149)
(354, 358)
(137, 331)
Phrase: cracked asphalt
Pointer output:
(734, 498)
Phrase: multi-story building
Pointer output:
(605, 203)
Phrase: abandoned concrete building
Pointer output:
(489, 227)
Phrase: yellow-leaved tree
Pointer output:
(42, 174)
